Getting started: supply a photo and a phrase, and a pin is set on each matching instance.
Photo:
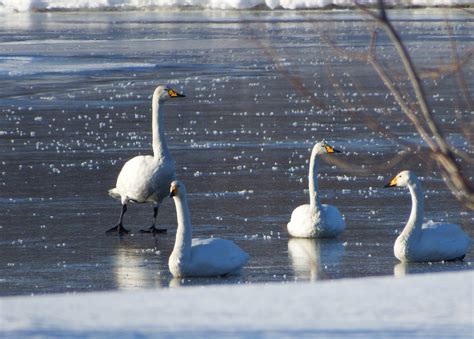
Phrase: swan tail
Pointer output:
(114, 193)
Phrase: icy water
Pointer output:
(261, 89)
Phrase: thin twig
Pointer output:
(441, 151)
(444, 70)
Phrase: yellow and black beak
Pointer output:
(392, 183)
(330, 149)
(173, 94)
(173, 191)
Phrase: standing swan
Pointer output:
(431, 241)
(146, 178)
(200, 257)
(316, 220)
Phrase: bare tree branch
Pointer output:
(440, 150)
(444, 70)
(403, 104)
(382, 19)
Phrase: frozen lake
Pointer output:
(75, 104)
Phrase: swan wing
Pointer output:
(300, 213)
(145, 178)
(334, 224)
(306, 224)
(302, 223)
(442, 241)
(114, 193)
(217, 256)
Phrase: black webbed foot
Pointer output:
(118, 229)
(153, 230)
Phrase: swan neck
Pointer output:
(184, 232)
(314, 200)
(415, 220)
(158, 128)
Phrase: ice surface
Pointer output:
(21, 66)
(34, 5)
(427, 305)
(68, 125)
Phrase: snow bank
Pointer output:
(427, 305)
(31, 5)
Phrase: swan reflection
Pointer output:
(403, 269)
(400, 269)
(315, 259)
(133, 272)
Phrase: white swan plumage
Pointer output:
(316, 220)
(146, 178)
(200, 257)
(430, 241)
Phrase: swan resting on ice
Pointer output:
(200, 257)
(316, 220)
(146, 178)
(430, 241)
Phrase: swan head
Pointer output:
(403, 179)
(177, 189)
(323, 147)
(164, 93)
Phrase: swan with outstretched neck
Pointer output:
(146, 178)
(316, 220)
(430, 241)
(200, 257)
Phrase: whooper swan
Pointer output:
(200, 257)
(146, 178)
(316, 220)
(430, 241)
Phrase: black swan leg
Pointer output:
(119, 227)
(153, 229)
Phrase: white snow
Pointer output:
(30, 5)
(426, 305)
